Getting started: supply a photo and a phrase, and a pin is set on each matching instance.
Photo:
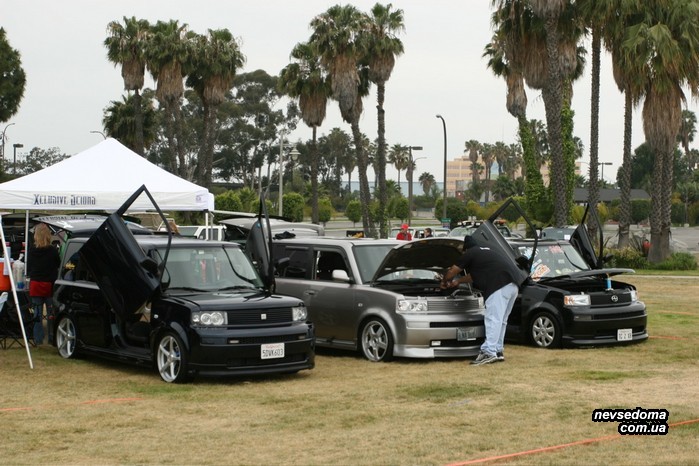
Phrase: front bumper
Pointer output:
(600, 326)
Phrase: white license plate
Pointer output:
(466, 334)
(624, 334)
(272, 351)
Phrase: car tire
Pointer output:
(376, 341)
(66, 337)
(172, 358)
(545, 330)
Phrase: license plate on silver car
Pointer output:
(466, 334)
(272, 350)
(624, 334)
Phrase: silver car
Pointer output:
(382, 297)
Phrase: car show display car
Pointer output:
(570, 298)
(185, 306)
(382, 297)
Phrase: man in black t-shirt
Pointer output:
(489, 271)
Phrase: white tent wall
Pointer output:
(102, 178)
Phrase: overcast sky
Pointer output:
(70, 81)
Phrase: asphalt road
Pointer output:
(684, 238)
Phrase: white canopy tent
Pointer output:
(102, 178)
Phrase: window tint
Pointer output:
(299, 265)
(327, 261)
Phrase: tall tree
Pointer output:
(13, 79)
(167, 58)
(213, 62)
(306, 80)
(688, 129)
(126, 46)
(384, 46)
(474, 148)
(119, 121)
(339, 35)
(399, 156)
(427, 181)
(665, 53)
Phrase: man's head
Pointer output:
(469, 242)
(428, 231)
(404, 227)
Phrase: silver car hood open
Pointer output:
(436, 254)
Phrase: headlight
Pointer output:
(299, 313)
(577, 300)
(210, 318)
(634, 296)
(405, 306)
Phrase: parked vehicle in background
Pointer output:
(184, 306)
(238, 227)
(214, 232)
(418, 232)
(570, 298)
(382, 297)
(467, 227)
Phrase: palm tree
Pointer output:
(488, 155)
(306, 80)
(399, 157)
(215, 59)
(119, 121)
(383, 48)
(167, 56)
(126, 47)
(597, 15)
(506, 54)
(427, 181)
(688, 129)
(339, 36)
(663, 54)
(473, 147)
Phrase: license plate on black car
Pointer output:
(272, 351)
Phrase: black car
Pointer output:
(185, 306)
(569, 298)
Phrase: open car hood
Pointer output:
(435, 254)
(589, 273)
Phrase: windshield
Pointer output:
(188, 230)
(369, 257)
(460, 232)
(554, 260)
(208, 268)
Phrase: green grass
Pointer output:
(350, 411)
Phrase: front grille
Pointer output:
(452, 305)
(605, 299)
(259, 316)
(618, 315)
(460, 344)
(269, 339)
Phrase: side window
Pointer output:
(299, 265)
(327, 261)
(73, 268)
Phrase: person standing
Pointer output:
(404, 234)
(42, 271)
(489, 271)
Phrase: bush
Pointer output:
(354, 211)
(630, 257)
(229, 200)
(292, 207)
(678, 261)
(325, 210)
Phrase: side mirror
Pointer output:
(150, 265)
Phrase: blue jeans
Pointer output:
(38, 307)
(497, 309)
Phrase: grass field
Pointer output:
(350, 411)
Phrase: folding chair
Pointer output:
(10, 331)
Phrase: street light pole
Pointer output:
(14, 157)
(281, 169)
(602, 164)
(444, 202)
(3, 143)
(411, 167)
(99, 132)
